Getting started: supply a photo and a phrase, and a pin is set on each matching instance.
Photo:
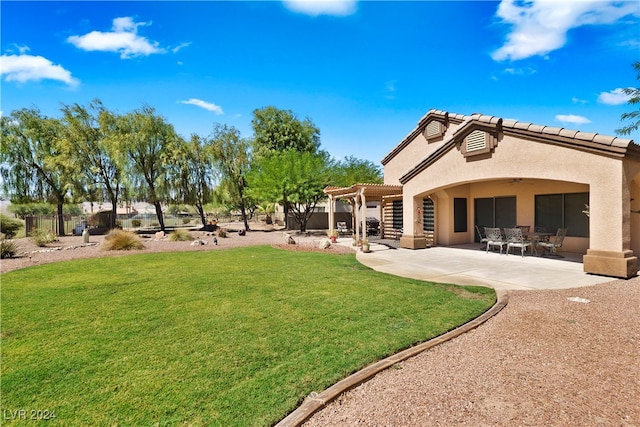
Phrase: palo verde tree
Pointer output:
(33, 166)
(90, 140)
(294, 179)
(194, 173)
(232, 159)
(634, 100)
(147, 140)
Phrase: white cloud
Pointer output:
(23, 68)
(123, 39)
(322, 7)
(203, 104)
(541, 26)
(180, 47)
(571, 118)
(614, 97)
(577, 100)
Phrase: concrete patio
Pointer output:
(469, 264)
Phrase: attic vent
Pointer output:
(476, 140)
(433, 128)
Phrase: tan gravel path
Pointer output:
(545, 360)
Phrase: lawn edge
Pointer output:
(314, 402)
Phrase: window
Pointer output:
(555, 211)
(459, 215)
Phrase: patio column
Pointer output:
(609, 252)
(413, 236)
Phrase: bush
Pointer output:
(9, 226)
(180, 236)
(119, 240)
(8, 248)
(186, 221)
(136, 222)
(222, 232)
(42, 237)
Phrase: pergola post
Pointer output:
(363, 223)
(332, 207)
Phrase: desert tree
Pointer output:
(91, 141)
(634, 100)
(147, 140)
(276, 130)
(194, 173)
(293, 179)
(32, 163)
(232, 159)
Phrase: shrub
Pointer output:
(180, 236)
(222, 232)
(119, 240)
(9, 226)
(8, 248)
(136, 222)
(41, 237)
(186, 221)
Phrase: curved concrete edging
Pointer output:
(315, 402)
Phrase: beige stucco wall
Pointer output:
(551, 168)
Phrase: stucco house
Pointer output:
(453, 172)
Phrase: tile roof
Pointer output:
(574, 138)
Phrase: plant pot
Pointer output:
(333, 239)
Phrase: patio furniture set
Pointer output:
(520, 237)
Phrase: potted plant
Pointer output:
(366, 247)
(333, 235)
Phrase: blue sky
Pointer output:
(364, 72)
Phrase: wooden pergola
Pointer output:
(357, 196)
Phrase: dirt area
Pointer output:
(72, 247)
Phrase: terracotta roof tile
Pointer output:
(621, 142)
(521, 125)
(585, 136)
(568, 133)
(603, 139)
(535, 128)
(552, 130)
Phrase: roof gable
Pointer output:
(494, 127)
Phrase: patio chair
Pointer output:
(515, 239)
(342, 227)
(483, 238)
(554, 244)
(494, 238)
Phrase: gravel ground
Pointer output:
(544, 360)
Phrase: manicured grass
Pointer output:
(235, 337)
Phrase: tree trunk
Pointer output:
(114, 209)
(200, 210)
(159, 214)
(60, 220)
(243, 210)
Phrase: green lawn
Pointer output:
(235, 337)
